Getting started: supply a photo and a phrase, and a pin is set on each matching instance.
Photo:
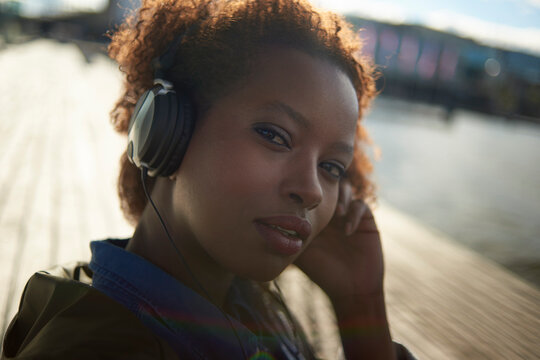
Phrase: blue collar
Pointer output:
(192, 325)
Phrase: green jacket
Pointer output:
(57, 320)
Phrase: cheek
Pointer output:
(230, 177)
(241, 171)
(325, 211)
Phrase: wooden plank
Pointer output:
(19, 207)
(463, 302)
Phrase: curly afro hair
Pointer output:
(221, 39)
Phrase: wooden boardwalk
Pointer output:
(60, 155)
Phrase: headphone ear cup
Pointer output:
(139, 128)
(185, 120)
(148, 134)
(159, 131)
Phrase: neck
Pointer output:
(199, 271)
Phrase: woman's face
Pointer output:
(260, 177)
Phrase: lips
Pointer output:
(284, 234)
(289, 224)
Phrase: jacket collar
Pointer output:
(169, 308)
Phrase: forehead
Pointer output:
(318, 90)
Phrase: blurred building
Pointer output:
(64, 19)
(427, 65)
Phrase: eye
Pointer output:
(336, 171)
(273, 135)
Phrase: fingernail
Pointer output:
(363, 210)
(348, 228)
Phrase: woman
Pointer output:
(244, 156)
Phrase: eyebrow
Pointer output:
(293, 114)
(301, 120)
(343, 147)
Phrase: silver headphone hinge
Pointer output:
(167, 85)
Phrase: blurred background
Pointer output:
(456, 128)
(457, 123)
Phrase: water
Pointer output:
(474, 177)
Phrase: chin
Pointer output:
(261, 274)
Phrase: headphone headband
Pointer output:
(163, 63)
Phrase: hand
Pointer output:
(345, 259)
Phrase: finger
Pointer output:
(357, 210)
(344, 197)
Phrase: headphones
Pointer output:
(162, 123)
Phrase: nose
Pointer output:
(302, 186)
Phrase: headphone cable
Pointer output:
(144, 172)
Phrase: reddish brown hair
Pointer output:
(221, 40)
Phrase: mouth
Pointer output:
(288, 225)
(284, 234)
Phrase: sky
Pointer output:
(513, 24)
